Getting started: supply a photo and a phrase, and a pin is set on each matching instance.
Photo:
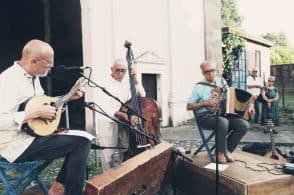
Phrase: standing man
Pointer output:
(118, 85)
(254, 86)
(18, 83)
(200, 100)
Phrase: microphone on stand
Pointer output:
(69, 68)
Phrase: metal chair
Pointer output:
(26, 171)
(205, 140)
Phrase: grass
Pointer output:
(50, 173)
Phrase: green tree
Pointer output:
(229, 14)
(282, 53)
(233, 44)
(278, 39)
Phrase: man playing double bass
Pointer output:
(201, 101)
(119, 86)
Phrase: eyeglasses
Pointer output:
(45, 62)
(271, 81)
(209, 71)
(120, 70)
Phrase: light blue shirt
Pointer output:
(203, 92)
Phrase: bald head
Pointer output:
(119, 62)
(118, 69)
(37, 58)
(208, 70)
(36, 48)
(254, 71)
(207, 63)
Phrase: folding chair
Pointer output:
(27, 172)
(205, 140)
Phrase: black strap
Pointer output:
(208, 84)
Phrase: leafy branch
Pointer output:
(233, 47)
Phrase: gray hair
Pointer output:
(119, 61)
(207, 62)
(272, 78)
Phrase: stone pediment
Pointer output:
(149, 57)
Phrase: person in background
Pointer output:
(18, 83)
(271, 105)
(201, 101)
(254, 86)
(109, 132)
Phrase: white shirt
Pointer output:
(119, 89)
(256, 81)
(16, 86)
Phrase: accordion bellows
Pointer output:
(238, 102)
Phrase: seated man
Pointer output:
(18, 83)
(201, 101)
(109, 132)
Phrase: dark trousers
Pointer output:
(235, 125)
(75, 150)
(258, 112)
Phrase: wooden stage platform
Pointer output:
(193, 179)
(142, 174)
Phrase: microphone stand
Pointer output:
(216, 153)
(157, 141)
(92, 106)
(132, 111)
(217, 112)
(175, 153)
(98, 147)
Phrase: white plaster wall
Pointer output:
(186, 53)
(173, 29)
(264, 55)
(97, 37)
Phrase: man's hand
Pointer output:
(211, 102)
(251, 110)
(44, 111)
(134, 120)
(254, 86)
(258, 86)
(80, 91)
(134, 75)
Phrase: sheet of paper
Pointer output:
(79, 133)
(212, 166)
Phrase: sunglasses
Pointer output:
(209, 71)
(120, 70)
(271, 81)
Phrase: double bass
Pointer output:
(146, 108)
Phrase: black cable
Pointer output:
(276, 167)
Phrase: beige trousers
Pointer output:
(107, 133)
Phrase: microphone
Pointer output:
(69, 68)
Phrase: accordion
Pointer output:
(238, 102)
